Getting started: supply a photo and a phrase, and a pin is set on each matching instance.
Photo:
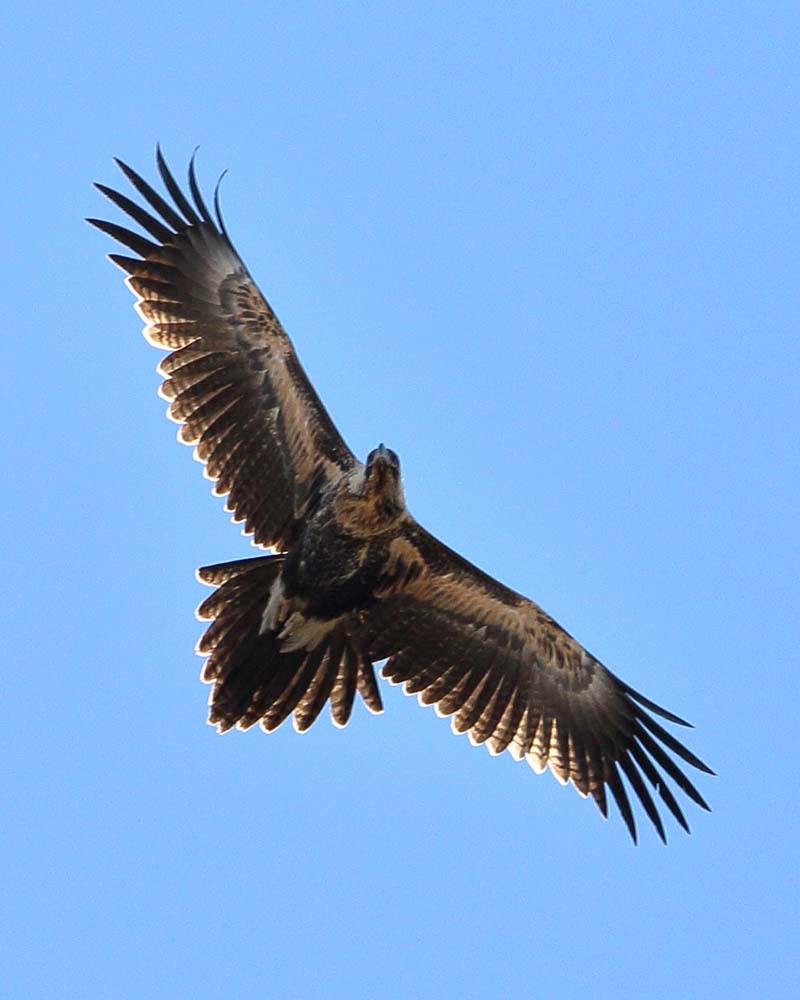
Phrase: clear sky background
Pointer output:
(548, 252)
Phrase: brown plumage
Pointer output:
(352, 578)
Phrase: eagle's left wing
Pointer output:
(233, 379)
(513, 679)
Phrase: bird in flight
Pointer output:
(350, 578)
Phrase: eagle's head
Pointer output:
(382, 481)
(372, 500)
(383, 465)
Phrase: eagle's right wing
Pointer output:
(233, 379)
(513, 679)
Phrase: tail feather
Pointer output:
(230, 616)
(255, 677)
(368, 686)
(235, 610)
(344, 688)
(283, 706)
(240, 694)
(239, 568)
(312, 702)
(282, 674)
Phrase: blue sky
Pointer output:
(548, 253)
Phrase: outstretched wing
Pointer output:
(233, 379)
(513, 679)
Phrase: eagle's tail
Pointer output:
(255, 678)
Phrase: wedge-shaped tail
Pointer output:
(255, 678)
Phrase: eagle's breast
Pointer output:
(332, 567)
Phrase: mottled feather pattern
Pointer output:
(512, 678)
(233, 367)
(490, 659)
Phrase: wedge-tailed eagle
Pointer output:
(351, 578)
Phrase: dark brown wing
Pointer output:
(513, 679)
(233, 379)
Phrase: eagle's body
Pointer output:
(352, 579)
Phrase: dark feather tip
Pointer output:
(217, 208)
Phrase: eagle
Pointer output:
(349, 578)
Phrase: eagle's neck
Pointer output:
(367, 507)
